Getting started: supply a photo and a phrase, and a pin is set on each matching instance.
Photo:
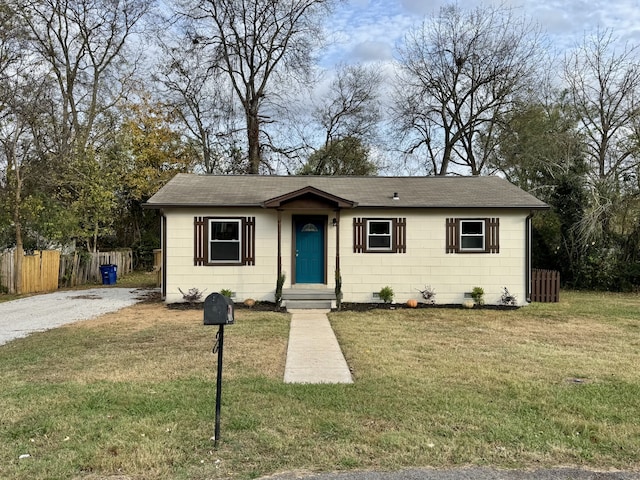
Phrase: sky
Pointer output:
(369, 30)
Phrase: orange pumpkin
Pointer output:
(412, 303)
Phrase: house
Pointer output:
(240, 233)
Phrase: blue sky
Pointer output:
(369, 30)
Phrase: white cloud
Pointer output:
(370, 30)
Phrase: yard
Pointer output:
(131, 394)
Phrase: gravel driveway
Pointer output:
(19, 318)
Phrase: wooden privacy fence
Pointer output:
(82, 268)
(45, 270)
(545, 286)
(39, 271)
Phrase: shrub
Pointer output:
(478, 295)
(386, 294)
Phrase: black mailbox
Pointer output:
(218, 310)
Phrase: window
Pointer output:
(224, 241)
(473, 235)
(379, 235)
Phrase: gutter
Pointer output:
(527, 248)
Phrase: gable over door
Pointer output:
(309, 255)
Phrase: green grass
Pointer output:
(132, 393)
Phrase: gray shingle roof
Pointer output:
(190, 190)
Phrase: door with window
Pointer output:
(309, 255)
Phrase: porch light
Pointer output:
(396, 196)
(334, 222)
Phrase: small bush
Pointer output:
(478, 295)
(386, 294)
(226, 293)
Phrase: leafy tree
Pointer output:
(347, 156)
(82, 44)
(148, 152)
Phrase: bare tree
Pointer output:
(254, 42)
(202, 99)
(350, 108)
(461, 69)
(604, 86)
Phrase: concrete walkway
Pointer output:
(313, 354)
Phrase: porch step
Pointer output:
(308, 298)
(308, 304)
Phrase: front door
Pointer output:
(309, 254)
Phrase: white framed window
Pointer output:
(380, 235)
(472, 235)
(224, 240)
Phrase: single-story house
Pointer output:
(241, 233)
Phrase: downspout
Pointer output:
(279, 243)
(337, 240)
(338, 274)
(163, 246)
(528, 256)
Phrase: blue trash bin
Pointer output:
(109, 274)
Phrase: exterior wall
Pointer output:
(425, 262)
(247, 281)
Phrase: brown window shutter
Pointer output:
(249, 241)
(358, 235)
(452, 235)
(401, 235)
(199, 241)
(493, 235)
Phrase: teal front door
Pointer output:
(309, 254)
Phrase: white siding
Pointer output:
(424, 263)
(247, 281)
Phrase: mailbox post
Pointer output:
(218, 310)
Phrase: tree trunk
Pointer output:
(18, 260)
(253, 137)
(19, 244)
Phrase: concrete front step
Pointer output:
(308, 294)
(308, 305)
(308, 298)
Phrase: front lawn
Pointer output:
(131, 394)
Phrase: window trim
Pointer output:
(491, 235)
(390, 235)
(201, 241)
(462, 235)
(240, 241)
(398, 235)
